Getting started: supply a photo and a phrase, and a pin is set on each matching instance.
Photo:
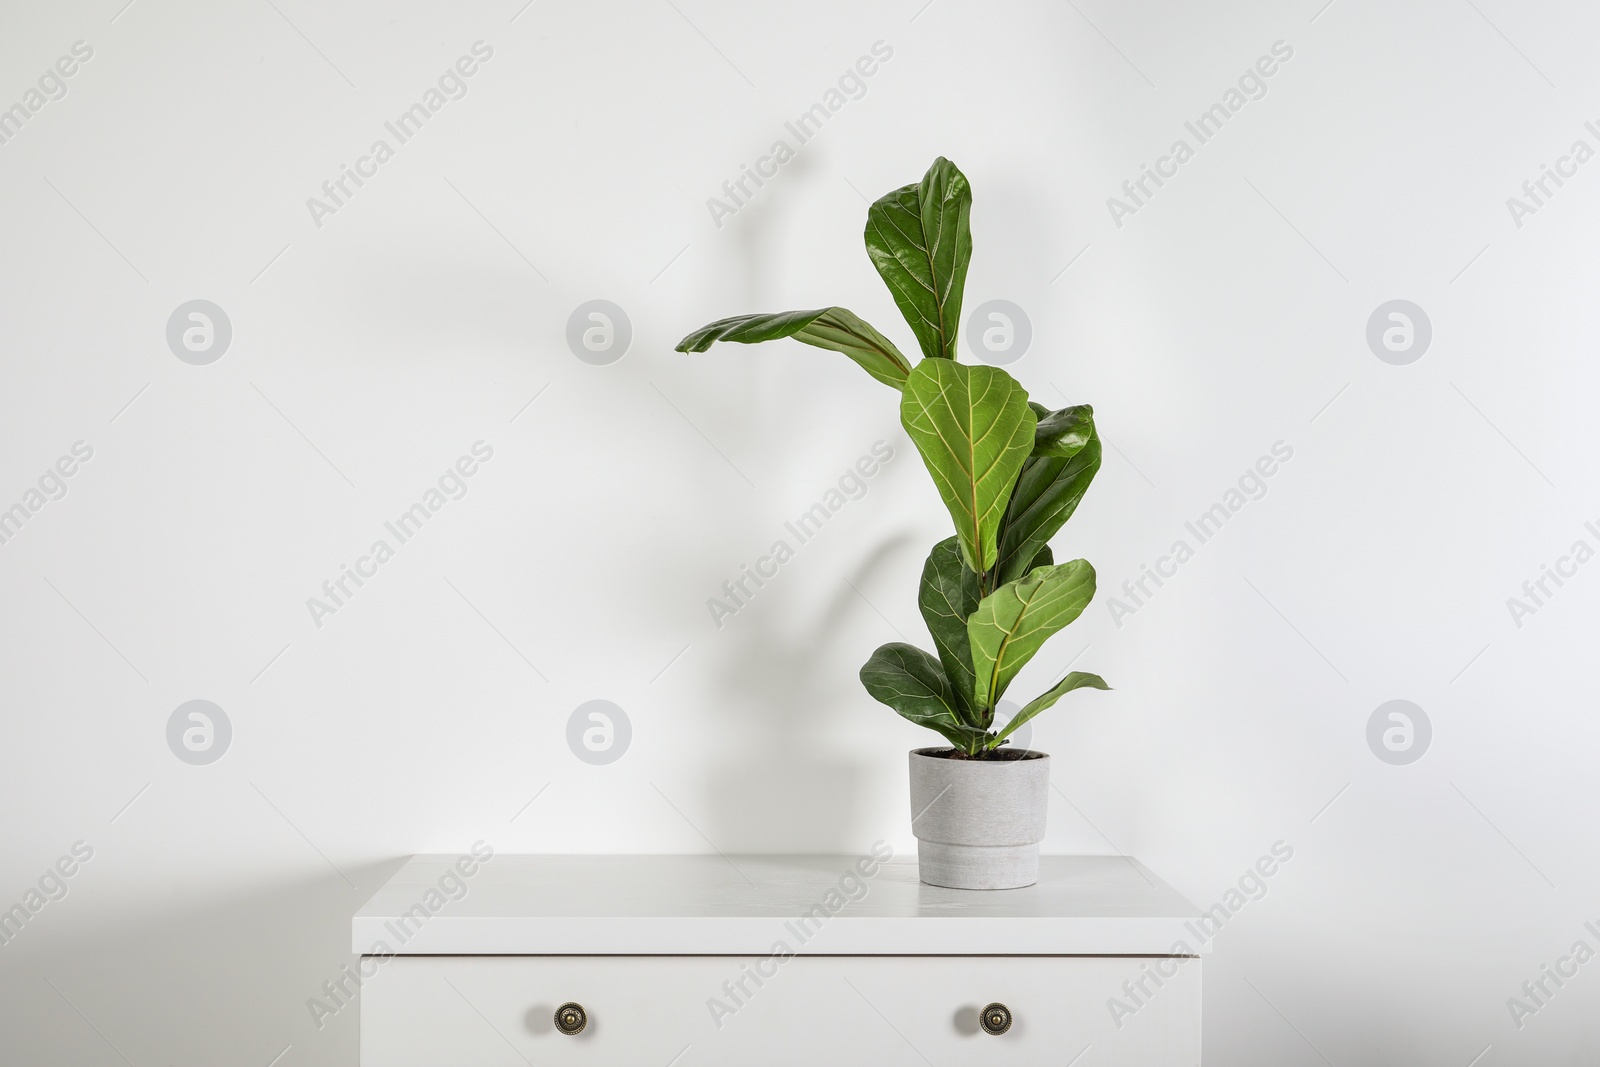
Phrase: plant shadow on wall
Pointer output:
(756, 229)
(810, 796)
(1010, 472)
(774, 776)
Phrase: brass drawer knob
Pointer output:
(995, 1019)
(571, 1019)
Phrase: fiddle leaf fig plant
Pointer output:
(1010, 472)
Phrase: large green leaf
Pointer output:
(974, 429)
(1047, 491)
(920, 240)
(1011, 623)
(833, 328)
(911, 682)
(948, 596)
(1075, 680)
(1062, 433)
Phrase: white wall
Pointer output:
(1228, 313)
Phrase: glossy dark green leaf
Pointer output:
(974, 430)
(833, 328)
(1075, 680)
(948, 596)
(920, 239)
(1063, 433)
(1046, 494)
(911, 682)
(1014, 621)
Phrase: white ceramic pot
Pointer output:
(978, 822)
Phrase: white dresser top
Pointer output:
(744, 905)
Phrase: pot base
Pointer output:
(977, 866)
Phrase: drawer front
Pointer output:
(724, 1011)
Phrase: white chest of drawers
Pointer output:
(701, 961)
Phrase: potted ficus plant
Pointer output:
(1011, 472)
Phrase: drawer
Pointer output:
(722, 1011)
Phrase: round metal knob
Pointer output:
(571, 1019)
(995, 1019)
